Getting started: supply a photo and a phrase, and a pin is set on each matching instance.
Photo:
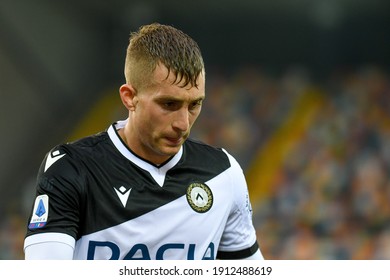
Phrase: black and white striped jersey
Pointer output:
(107, 203)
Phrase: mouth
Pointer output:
(175, 141)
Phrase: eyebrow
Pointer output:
(174, 98)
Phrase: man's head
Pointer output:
(164, 90)
(157, 43)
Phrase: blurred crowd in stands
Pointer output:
(330, 196)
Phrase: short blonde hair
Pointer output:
(157, 43)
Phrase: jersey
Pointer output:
(104, 201)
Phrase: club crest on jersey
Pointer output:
(199, 197)
(40, 212)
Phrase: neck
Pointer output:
(157, 160)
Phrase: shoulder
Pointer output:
(66, 158)
(201, 152)
(198, 152)
(87, 144)
(64, 169)
(80, 149)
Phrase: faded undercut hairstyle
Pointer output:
(157, 43)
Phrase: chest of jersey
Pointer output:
(130, 216)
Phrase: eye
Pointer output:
(170, 105)
(195, 104)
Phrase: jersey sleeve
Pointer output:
(40, 247)
(239, 240)
(58, 199)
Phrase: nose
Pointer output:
(181, 120)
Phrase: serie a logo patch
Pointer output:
(199, 197)
(40, 212)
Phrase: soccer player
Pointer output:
(143, 189)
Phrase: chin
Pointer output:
(171, 151)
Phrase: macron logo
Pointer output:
(123, 194)
(52, 158)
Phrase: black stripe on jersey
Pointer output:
(201, 162)
(238, 254)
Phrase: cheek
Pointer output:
(193, 117)
(150, 119)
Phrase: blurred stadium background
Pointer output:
(298, 91)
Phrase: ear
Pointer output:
(128, 96)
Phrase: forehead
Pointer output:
(162, 77)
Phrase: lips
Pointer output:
(174, 141)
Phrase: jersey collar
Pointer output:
(157, 171)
